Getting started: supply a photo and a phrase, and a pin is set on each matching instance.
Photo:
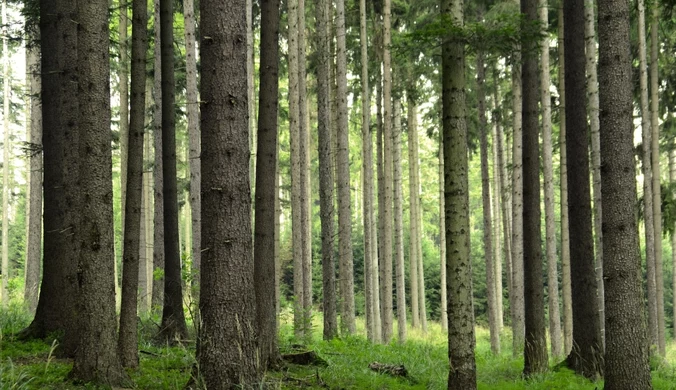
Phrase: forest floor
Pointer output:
(34, 365)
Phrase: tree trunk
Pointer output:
(96, 358)
(421, 280)
(535, 349)
(228, 309)
(672, 180)
(381, 193)
(4, 292)
(657, 191)
(627, 355)
(414, 233)
(648, 211)
(145, 267)
(497, 215)
(550, 223)
(346, 274)
(585, 357)
(494, 329)
(565, 232)
(461, 341)
(173, 319)
(124, 114)
(193, 136)
(158, 180)
(34, 204)
(398, 222)
(442, 240)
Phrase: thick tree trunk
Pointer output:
(96, 358)
(228, 309)
(494, 328)
(398, 222)
(627, 355)
(194, 149)
(461, 340)
(343, 180)
(34, 203)
(173, 319)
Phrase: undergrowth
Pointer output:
(34, 365)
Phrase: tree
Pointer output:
(158, 168)
(414, 230)
(535, 348)
(461, 341)
(442, 241)
(96, 358)
(226, 351)
(550, 223)
(128, 340)
(626, 355)
(345, 264)
(325, 171)
(173, 319)
(585, 356)
(266, 160)
(4, 293)
(398, 221)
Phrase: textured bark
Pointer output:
(194, 149)
(34, 204)
(461, 340)
(146, 243)
(96, 358)
(173, 319)
(158, 180)
(325, 171)
(413, 197)
(496, 204)
(386, 277)
(378, 227)
(266, 161)
(657, 191)
(442, 241)
(626, 356)
(4, 293)
(535, 348)
(550, 223)
(398, 201)
(226, 352)
(124, 113)
(585, 357)
(345, 265)
(128, 340)
(648, 211)
(565, 235)
(672, 179)
(494, 328)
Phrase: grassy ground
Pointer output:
(34, 365)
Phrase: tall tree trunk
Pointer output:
(250, 92)
(657, 191)
(627, 355)
(563, 166)
(96, 358)
(672, 180)
(461, 340)
(158, 180)
(4, 292)
(442, 240)
(146, 254)
(398, 221)
(128, 340)
(550, 223)
(535, 349)
(421, 280)
(388, 314)
(381, 189)
(343, 177)
(367, 157)
(325, 170)
(494, 329)
(648, 211)
(173, 319)
(124, 112)
(497, 215)
(413, 200)
(228, 309)
(585, 357)
(34, 204)
(193, 136)
(593, 111)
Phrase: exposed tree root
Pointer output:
(390, 369)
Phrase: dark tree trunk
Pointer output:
(266, 160)
(535, 348)
(587, 348)
(627, 355)
(226, 351)
(96, 358)
(325, 171)
(128, 341)
(173, 319)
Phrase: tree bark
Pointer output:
(398, 221)
(158, 180)
(442, 240)
(146, 243)
(226, 351)
(461, 340)
(124, 113)
(413, 200)
(4, 292)
(672, 180)
(173, 319)
(627, 355)
(381, 191)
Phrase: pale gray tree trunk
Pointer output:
(413, 200)
(442, 240)
(550, 223)
(5, 157)
(398, 221)
(145, 267)
(497, 215)
(124, 105)
(672, 180)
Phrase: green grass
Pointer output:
(32, 365)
